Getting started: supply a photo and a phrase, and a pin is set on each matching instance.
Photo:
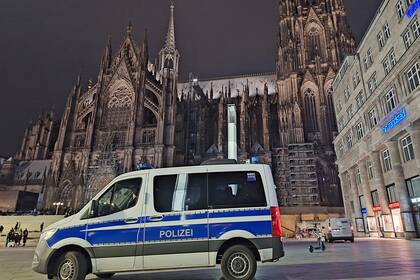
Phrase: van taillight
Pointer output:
(275, 221)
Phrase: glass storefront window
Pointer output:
(396, 218)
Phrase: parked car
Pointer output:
(339, 229)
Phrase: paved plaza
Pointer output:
(365, 259)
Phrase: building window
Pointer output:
(413, 76)
(370, 56)
(407, 146)
(407, 39)
(349, 141)
(375, 198)
(360, 100)
(370, 169)
(340, 123)
(349, 112)
(387, 33)
(346, 94)
(391, 193)
(413, 186)
(356, 79)
(358, 177)
(339, 107)
(415, 28)
(366, 62)
(372, 84)
(390, 101)
(392, 58)
(387, 161)
(362, 201)
(373, 121)
(387, 67)
(399, 7)
(381, 40)
(389, 61)
(359, 129)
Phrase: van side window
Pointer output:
(183, 192)
(235, 189)
(122, 195)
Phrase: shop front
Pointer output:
(396, 219)
(413, 186)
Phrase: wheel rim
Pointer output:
(238, 265)
(67, 270)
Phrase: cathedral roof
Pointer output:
(236, 84)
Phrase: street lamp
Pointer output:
(58, 204)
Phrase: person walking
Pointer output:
(16, 226)
(10, 238)
(41, 227)
(25, 236)
(1, 229)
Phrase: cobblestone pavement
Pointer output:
(365, 259)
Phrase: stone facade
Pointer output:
(137, 111)
(377, 101)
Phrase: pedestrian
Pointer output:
(41, 227)
(1, 229)
(25, 236)
(17, 225)
(10, 238)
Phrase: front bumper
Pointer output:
(42, 256)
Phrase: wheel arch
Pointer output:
(69, 248)
(237, 241)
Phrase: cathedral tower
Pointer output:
(313, 40)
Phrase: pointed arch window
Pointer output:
(118, 108)
(311, 118)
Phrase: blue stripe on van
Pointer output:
(72, 232)
(256, 228)
(199, 231)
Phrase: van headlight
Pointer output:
(48, 234)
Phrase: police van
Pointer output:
(169, 218)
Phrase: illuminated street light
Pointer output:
(58, 204)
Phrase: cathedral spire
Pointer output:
(170, 36)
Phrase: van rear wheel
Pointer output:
(71, 266)
(238, 262)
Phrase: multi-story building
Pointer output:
(377, 104)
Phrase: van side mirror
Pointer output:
(93, 209)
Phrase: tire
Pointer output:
(238, 262)
(71, 266)
(311, 249)
(352, 240)
(105, 275)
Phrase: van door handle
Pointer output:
(131, 220)
(156, 218)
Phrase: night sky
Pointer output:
(45, 44)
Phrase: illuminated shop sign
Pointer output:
(413, 8)
(396, 120)
(394, 205)
(415, 200)
(376, 208)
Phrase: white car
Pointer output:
(169, 218)
(339, 229)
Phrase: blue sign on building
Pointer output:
(364, 211)
(397, 119)
(413, 8)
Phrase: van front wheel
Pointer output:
(71, 266)
(238, 262)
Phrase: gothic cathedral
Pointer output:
(138, 111)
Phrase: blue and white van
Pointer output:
(169, 218)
